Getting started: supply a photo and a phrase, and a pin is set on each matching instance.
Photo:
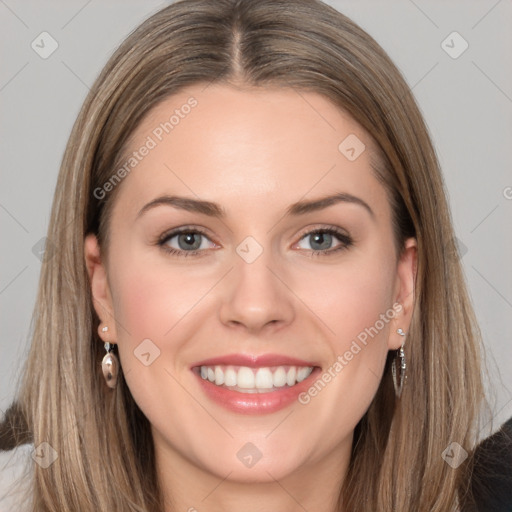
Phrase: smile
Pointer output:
(254, 384)
(255, 380)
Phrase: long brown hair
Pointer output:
(104, 444)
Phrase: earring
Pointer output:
(110, 364)
(401, 355)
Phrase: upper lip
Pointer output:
(254, 361)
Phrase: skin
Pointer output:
(254, 152)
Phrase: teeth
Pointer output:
(290, 376)
(245, 378)
(229, 377)
(255, 380)
(264, 379)
(279, 378)
(303, 373)
(219, 376)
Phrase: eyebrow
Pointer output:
(215, 210)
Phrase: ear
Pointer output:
(404, 292)
(100, 289)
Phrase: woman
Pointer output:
(316, 349)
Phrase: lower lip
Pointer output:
(256, 403)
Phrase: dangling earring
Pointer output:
(110, 364)
(401, 355)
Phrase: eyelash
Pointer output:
(346, 241)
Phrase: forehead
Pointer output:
(248, 146)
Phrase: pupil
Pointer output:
(189, 240)
(320, 237)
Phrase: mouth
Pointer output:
(245, 379)
(254, 384)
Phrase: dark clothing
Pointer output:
(491, 482)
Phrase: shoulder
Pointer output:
(15, 474)
(492, 473)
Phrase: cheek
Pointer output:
(365, 297)
(368, 303)
(360, 310)
(155, 307)
(352, 297)
(148, 303)
(146, 306)
(149, 299)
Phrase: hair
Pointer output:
(106, 458)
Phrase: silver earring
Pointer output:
(399, 382)
(110, 364)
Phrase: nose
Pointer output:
(257, 296)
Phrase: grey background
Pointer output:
(467, 103)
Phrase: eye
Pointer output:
(187, 241)
(321, 240)
(184, 241)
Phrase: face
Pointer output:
(223, 266)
